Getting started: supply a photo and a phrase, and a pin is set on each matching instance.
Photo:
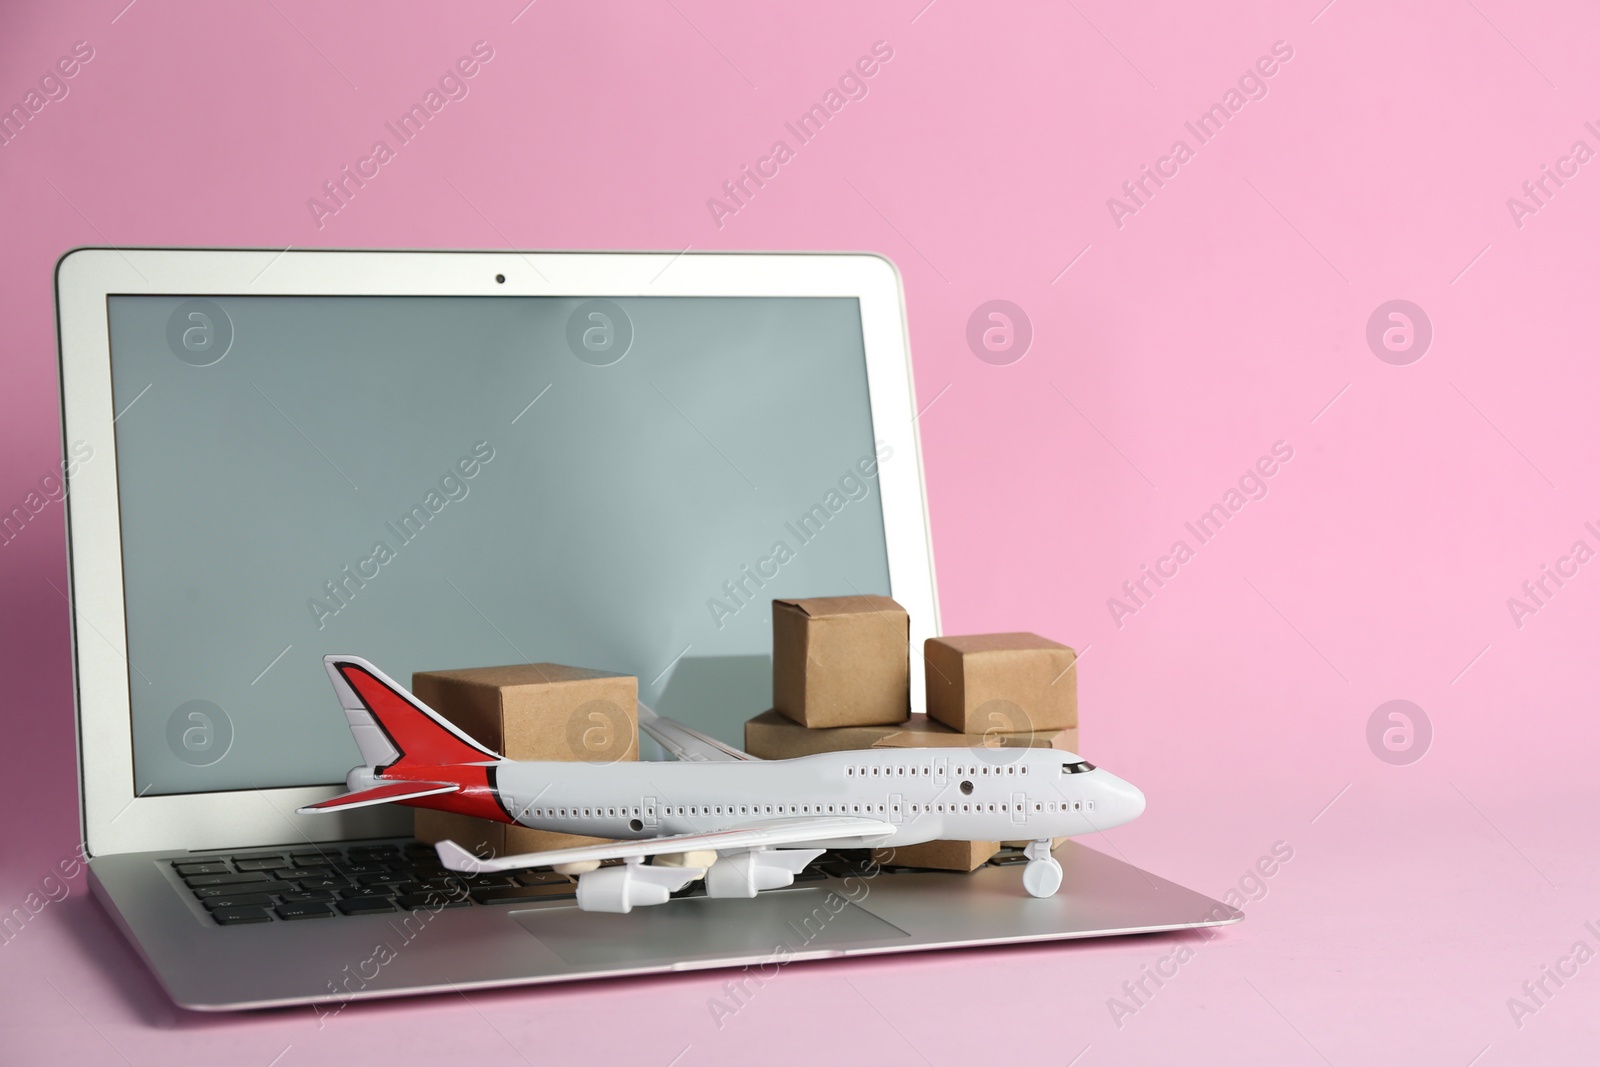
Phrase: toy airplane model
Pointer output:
(761, 821)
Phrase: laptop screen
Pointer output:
(447, 482)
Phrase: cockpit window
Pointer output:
(1082, 767)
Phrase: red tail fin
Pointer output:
(416, 733)
(387, 793)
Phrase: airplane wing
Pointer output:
(387, 793)
(684, 742)
(775, 832)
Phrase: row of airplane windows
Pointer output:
(959, 772)
(806, 809)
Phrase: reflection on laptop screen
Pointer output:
(447, 482)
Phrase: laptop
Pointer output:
(441, 460)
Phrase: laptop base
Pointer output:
(331, 962)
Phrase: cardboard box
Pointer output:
(939, 855)
(841, 661)
(773, 736)
(539, 711)
(944, 737)
(533, 711)
(1005, 683)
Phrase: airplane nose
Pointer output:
(1135, 801)
(1127, 800)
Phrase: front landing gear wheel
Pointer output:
(1041, 878)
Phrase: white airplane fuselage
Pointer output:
(765, 819)
(925, 794)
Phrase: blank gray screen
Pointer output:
(448, 482)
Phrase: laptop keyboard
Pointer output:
(331, 881)
(328, 881)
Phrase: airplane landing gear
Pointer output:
(1042, 875)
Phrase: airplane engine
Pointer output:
(744, 874)
(620, 889)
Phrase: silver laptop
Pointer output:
(453, 459)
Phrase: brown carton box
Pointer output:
(1061, 740)
(773, 736)
(841, 661)
(939, 855)
(539, 711)
(1007, 683)
(532, 711)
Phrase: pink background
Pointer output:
(1227, 314)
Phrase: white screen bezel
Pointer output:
(113, 818)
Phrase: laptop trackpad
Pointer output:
(776, 924)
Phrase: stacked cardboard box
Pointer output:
(841, 661)
(534, 711)
(774, 736)
(1002, 682)
(840, 681)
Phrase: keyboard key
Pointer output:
(447, 880)
(239, 916)
(323, 883)
(258, 863)
(379, 877)
(315, 859)
(365, 905)
(190, 869)
(254, 887)
(487, 881)
(241, 900)
(522, 894)
(200, 881)
(398, 888)
(430, 901)
(1007, 859)
(310, 909)
(294, 874)
(453, 886)
(367, 892)
(542, 878)
(353, 869)
(305, 896)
